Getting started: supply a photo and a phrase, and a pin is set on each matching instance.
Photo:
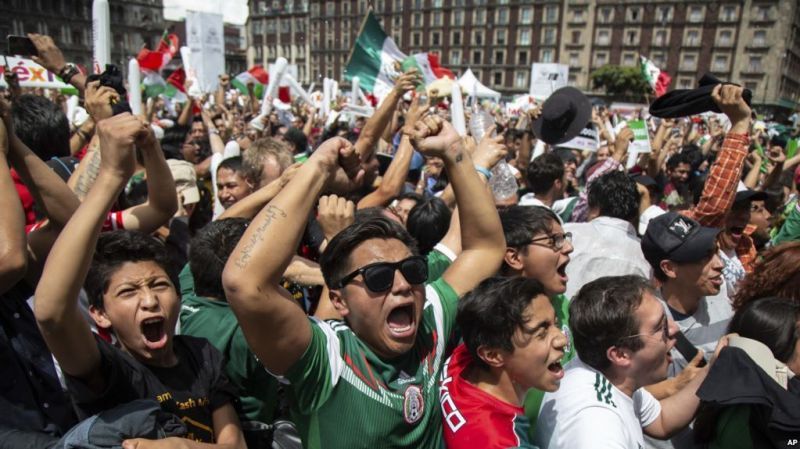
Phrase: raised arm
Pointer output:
(50, 57)
(13, 261)
(373, 129)
(249, 206)
(276, 328)
(64, 328)
(724, 175)
(162, 203)
(482, 238)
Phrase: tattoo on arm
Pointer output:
(86, 179)
(272, 213)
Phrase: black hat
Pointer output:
(749, 195)
(563, 116)
(685, 102)
(645, 181)
(672, 236)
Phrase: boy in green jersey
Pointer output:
(371, 379)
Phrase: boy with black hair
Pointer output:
(369, 380)
(545, 180)
(132, 291)
(232, 183)
(677, 194)
(512, 343)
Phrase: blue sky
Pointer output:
(234, 11)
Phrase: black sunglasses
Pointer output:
(379, 276)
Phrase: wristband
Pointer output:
(484, 171)
(213, 131)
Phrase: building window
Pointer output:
(417, 19)
(479, 17)
(720, 63)
(520, 79)
(436, 39)
(754, 65)
(500, 37)
(696, 14)
(752, 85)
(692, 38)
(600, 59)
(628, 59)
(634, 13)
(760, 38)
(685, 83)
(664, 14)
(725, 38)
(330, 8)
(728, 13)
(497, 78)
(416, 39)
(574, 60)
(477, 37)
(577, 15)
(455, 57)
(546, 55)
(522, 57)
(525, 37)
(606, 15)
(458, 18)
(502, 16)
(763, 13)
(477, 57)
(603, 37)
(660, 38)
(550, 14)
(499, 57)
(631, 37)
(455, 38)
(526, 15)
(437, 18)
(689, 61)
(576, 37)
(549, 36)
(659, 59)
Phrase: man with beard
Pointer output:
(369, 380)
(623, 337)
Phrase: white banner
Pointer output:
(205, 40)
(31, 74)
(546, 78)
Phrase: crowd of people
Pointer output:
(203, 275)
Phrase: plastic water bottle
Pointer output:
(503, 182)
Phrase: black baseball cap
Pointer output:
(749, 195)
(672, 236)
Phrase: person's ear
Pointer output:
(669, 268)
(338, 302)
(619, 356)
(513, 259)
(491, 356)
(100, 317)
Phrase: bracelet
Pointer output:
(213, 131)
(484, 171)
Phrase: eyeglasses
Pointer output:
(557, 241)
(664, 331)
(379, 276)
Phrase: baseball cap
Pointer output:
(185, 180)
(672, 236)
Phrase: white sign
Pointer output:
(205, 39)
(31, 74)
(587, 140)
(546, 78)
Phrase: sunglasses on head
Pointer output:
(379, 276)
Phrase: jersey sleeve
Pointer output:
(439, 260)
(444, 300)
(314, 376)
(647, 407)
(600, 428)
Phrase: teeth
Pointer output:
(151, 320)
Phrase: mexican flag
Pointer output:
(155, 85)
(658, 80)
(256, 76)
(375, 58)
(428, 65)
(154, 61)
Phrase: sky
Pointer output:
(234, 11)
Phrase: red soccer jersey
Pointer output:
(473, 418)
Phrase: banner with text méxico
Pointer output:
(205, 39)
(31, 74)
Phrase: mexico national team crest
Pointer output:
(413, 404)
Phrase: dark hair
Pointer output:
(602, 314)
(209, 252)
(614, 194)
(544, 171)
(336, 257)
(297, 140)
(115, 249)
(235, 165)
(428, 222)
(772, 321)
(522, 223)
(41, 125)
(678, 158)
(410, 196)
(490, 314)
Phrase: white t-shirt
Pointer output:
(588, 412)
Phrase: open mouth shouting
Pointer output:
(401, 321)
(562, 271)
(154, 332)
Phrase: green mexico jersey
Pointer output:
(533, 400)
(344, 396)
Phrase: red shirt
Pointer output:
(473, 418)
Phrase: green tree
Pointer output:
(626, 82)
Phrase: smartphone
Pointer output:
(21, 46)
(687, 349)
